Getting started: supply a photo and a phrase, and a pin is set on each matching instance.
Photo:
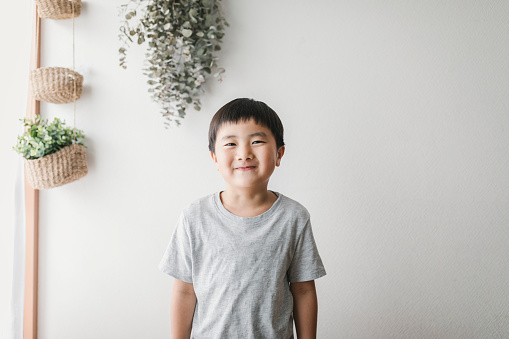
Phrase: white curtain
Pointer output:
(18, 274)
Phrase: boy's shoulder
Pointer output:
(204, 203)
(292, 206)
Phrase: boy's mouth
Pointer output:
(246, 168)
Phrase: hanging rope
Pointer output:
(73, 65)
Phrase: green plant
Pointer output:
(42, 139)
(183, 39)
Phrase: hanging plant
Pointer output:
(41, 139)
(183, 38)
(51, 157)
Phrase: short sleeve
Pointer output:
(177, 260)
(306, 263)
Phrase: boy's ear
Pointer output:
(213, 156)
(280, 153)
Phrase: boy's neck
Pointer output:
(247, 203)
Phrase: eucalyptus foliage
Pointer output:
(183, 38)
(42, 139)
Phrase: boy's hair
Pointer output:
(244, 109)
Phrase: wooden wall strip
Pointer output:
(32, 205)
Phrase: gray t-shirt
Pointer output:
(241, 267)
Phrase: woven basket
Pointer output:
(56, 84)
(62, 167)
(58, 9)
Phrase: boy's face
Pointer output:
(246, 154)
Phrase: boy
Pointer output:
(244, 259)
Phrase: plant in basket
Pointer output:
(54, 153)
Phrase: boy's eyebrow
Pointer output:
(256, 134)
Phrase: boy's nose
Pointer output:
(244, 153)
(245, 157)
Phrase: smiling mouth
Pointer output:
(247, 168)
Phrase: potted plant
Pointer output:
(54, 154)
(184, 37)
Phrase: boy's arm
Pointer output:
(183, 302)
(305, 308)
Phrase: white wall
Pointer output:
(396, 117)
(14, 63)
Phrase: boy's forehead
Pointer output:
(241, 126)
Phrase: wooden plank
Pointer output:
(32, 205)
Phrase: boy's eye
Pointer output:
(230, 144)
(258, 142)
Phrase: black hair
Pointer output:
(244, 109)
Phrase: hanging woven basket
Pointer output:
(58, 9)
(62, 167)
(56, 84)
